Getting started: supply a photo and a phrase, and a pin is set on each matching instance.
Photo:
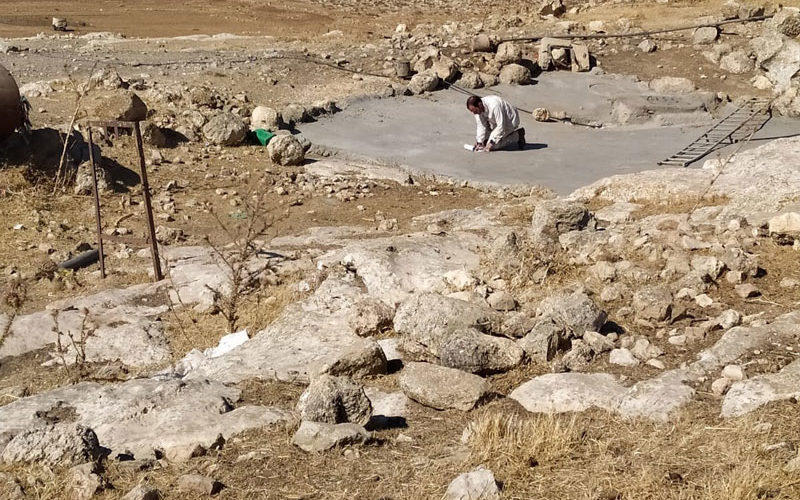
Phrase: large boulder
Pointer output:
(508, 53)
(470, 80)
(441, 387)
(475, 352)
(118, 105)
(54, 445)
(705, 35)
(225, 129)
(286, 150)
(335, 400)
(266, 118)
(423, 82)
(427, 321)
(294, 113)
(515, 74)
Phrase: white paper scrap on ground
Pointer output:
(469, 147)
(227, 344)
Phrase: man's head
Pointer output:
(475, 105)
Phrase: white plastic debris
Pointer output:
(227, 344)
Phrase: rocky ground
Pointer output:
(335, 329)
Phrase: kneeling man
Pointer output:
(498, 124)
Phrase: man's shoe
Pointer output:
(521, 140)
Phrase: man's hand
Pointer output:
(478, 146)
(489, 147)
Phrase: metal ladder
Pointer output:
(739, 125)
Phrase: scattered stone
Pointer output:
(747, 395)
(657, 364)
(705, 35)
(508, 53)
(653, 303)
(623, 357)
(470, 80)
(225, 129)
(294, 114)
(747, 290)
(577, 312)
(441, 387)
(335, 400)
(734, 373)
(372, 317)
(476, 485)
(552, 218)
(647, 46)
(83, 481)
(286, 150)
(142, 492)
(737, 62)
(317, 436)
(542, 342)
(515, 74)
(703, 300)
(265, 118)
(599, 343)
(577, 358)
(84, 183)
(720, 386)
(200, 485)
(502, 301)
(53, 445)
(789, 283)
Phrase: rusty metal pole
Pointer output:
(97, 206)
(147, 206)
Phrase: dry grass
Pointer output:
(189, 330)
(678, 205)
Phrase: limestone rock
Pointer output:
(265, 118)
(566, 392)
(705, 35)
(785, 224)
(672, 85)
(225, 129)
(142, 492)
(733, 373)
(83, 481)
(623, 357)
(426, 321)
(286, 150)
(118, 105)
(470, 80)
(371, 317)
(508, 53)
(720, 386)
(335, 400)
(502, 301)
(542, 342)
(441, 387)
(54, 445)
(515, 74)
(599, 343)
(84, 184)
(653, 303)
(153, 135)
(577, 358)
(647, 46)
(423, 82)
(737, 62)
(199, 485)
(787, 23)
(293, 114)
(747, 395)
(445, 68)
(576, 312)
(554, 217)
(318, 436)
(475, 352)
(476, 485)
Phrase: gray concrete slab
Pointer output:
(427, 134)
